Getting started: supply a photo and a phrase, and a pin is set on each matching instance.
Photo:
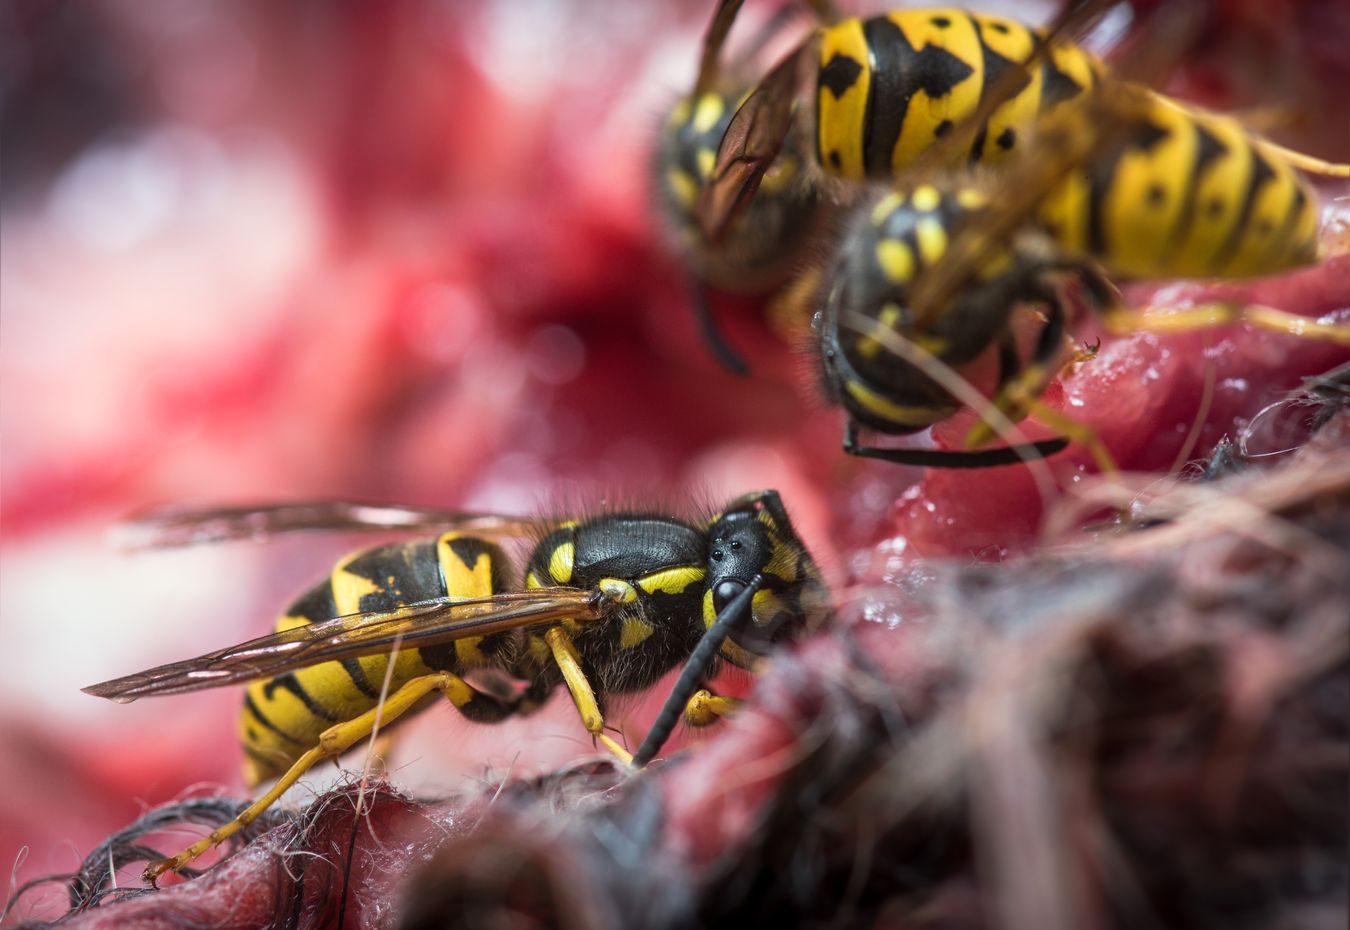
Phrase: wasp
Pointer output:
(608, 604)
(887, 90)
(760, 249)
(1121, 181)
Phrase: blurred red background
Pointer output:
(405, 252)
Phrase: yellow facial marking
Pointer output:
(684, 187)
(560, 562)
(708, 111)
(532, 581)
(618, 590)
(932, 239)
(896, 260)
(765, 604)
(634, 632)
(927, 198)
(672, 580)
(737, 656)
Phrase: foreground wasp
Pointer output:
(1122, 181)
(609, 605)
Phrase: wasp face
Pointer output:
(754, 536)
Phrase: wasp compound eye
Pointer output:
(725, 592)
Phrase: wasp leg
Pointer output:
(944, 458)
(1018, 390)
(1123, 322)
(1080, 433)
(706, 708)
(583, 695)
(712, 333)
(334, 741)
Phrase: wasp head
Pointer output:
(753, 536)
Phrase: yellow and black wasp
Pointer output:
(1121, 181)
(884, 91)
(608, 605)
(888, 87)
(911, 92)
(760, 249)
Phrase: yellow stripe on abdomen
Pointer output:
(844, 81)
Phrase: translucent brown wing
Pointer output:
(1067, 139)
(185, 526)
(752, 142)
(429, 623)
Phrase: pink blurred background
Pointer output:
(401, 252)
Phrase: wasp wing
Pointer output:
(429, 623)
(173, 526)
(752, 142)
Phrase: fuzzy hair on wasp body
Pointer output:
(606, 605)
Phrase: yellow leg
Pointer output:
(565, 654)
(1013, 400)
(1078, 432)
(332, 742)
(706, 708)
(1206, 316)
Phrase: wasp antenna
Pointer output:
(712, 333)
(692, 675)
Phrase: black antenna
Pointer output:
(692, 675)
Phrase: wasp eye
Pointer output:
(718, 555)
(725, 592)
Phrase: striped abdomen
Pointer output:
(891, 85)
(283, 716)
(1181, 193)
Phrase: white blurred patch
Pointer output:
(74, 612)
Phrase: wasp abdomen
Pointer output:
(284, 716)
(889, 86)
(1184, 193)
